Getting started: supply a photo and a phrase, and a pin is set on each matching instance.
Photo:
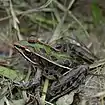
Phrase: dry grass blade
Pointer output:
(70, 4)
(15, 21)
(60, 6)
(41, 8)
(46, 4)
(57, 31)
(48, 103)
(97, 64)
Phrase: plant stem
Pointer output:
(44, 91)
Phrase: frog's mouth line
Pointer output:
(22, 50)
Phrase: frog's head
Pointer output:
(23, 48)
(30, 45)
(34, 46)
(39, 49)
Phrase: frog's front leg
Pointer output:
(33, 82)
(36, 83)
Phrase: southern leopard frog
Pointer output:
(55, 65)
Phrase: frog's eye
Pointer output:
(32, 41)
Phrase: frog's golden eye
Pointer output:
(32, 41)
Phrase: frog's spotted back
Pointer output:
(55, 64)
(77, 51)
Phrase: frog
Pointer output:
(65, 73)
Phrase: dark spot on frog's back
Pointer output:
(65, 48)
(43, 50)
(53, 58)
(61, 47)
(67, 62)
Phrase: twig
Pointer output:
(48, 103)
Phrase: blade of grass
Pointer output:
(57, 31)
(10, 74)
(15, 21)
(44, 91)
(61, 7)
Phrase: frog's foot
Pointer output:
(26, 85)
